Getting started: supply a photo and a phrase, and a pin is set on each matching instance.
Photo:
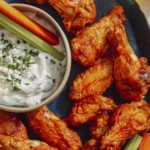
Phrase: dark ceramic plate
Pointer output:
(138, 33)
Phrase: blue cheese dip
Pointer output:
(27, 75)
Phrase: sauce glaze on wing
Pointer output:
(86, 110)
(51, 129)
(128, 119)
(90, 43)
(11, 125)
(75, 14)
(94, 80)
(12, 143)
(131, 74)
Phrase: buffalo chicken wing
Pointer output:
(11, 125)
(132, 75)
(90, 145)
(94, 80)
(90, 43)
(76, 14)
(51, 129)
(87, 109)
(12, 143)
(101, 124)
(128, 119)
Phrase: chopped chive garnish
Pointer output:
(10, 66)
(2, 34)
(16, 89)
(18, 81)
(19, 57)
(54, 80)
(12, 76)
(6, 75)
(17, 66)
(32, 53)
(8, 80)
(18, 42)
(24, 41)
(7, 49)
(27, 57)
(5, 41)
(52, 61)
(1, 59)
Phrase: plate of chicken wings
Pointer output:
(107, 93)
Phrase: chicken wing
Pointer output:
(11, 143)
(94, 80)
(127, 120)
(74, 13)
(90, 43)
(86, 110)
(132, 75)
(90, 145)
(11, 125)
(100, 125)
(51, 129)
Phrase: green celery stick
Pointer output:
(29, 37)
(133, 143)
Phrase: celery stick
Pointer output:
(29, 37)
(133, 143)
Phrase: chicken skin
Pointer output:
(11, 125)
(132, 75)
(76, 14)
(86, 110)
(101, 124)
(51, 129)
(90, 43)
(90, 145)
(94, 80)
(128, 119)
(12, 143)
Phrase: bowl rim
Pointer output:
(58, 29)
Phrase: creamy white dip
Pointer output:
(27, 75)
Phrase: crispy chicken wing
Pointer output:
(75, 13)
(132, 75)
(53, 130)
(11, 125)
(90, 145)
(127, 120)
(86, 110)
(100, 125)
(12, 143)
(90, 43)
(94, 80)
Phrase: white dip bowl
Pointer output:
(29, 103)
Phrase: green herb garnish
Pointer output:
(52, 61)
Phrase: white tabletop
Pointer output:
(145, 8)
